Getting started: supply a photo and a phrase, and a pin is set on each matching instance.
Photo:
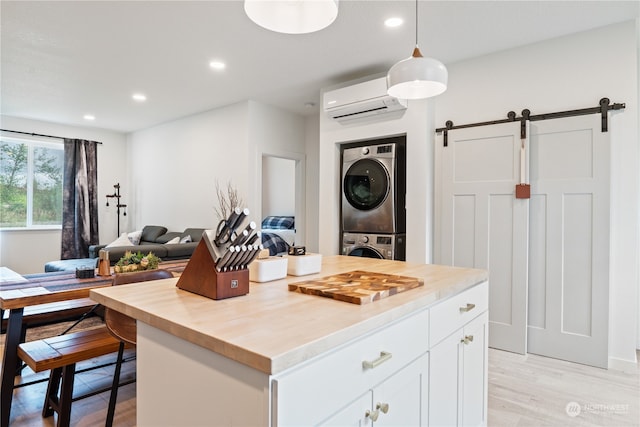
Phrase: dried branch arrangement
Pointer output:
(228, 200)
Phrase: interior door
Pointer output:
(569, 240)
(483, 225)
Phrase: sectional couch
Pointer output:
(157, 239)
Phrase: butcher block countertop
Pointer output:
(272, 329)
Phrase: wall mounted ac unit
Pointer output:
(362, 100)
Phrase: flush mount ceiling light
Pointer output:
(417, 77)
(292, 16)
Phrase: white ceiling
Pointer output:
(61, 60)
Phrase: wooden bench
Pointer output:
(43, 314)
(60, 354)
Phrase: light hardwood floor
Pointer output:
(533, 390)
(523, 391)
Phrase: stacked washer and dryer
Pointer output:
(373, 198)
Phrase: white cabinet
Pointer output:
(388, 367)
(398, 401)
(398, 373)
(474, 372)
(443, 382)
(458, 363)
(402, 399)
(354, 414)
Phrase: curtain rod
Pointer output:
(39, 134)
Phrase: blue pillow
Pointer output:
(279, 222)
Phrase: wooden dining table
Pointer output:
(42, 288)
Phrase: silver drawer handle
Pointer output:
(373, 415)
(469, 307)
(467, 339)
(384, 407)
(384, 356)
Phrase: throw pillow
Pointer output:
(123, 240)
(173, 241)
(150, 233)
(135, 236)
(186, 239)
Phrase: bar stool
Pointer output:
(123, 328)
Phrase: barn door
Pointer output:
(481, 224)
(548, 257)
(569, 240)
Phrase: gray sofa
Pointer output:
(154, 239)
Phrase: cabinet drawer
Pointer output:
(451, 314)
(308, 394)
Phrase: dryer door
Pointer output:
(366, 252)
(366, 184)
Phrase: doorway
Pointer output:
(278, 186)
(283, 189)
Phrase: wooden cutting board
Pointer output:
(357, 287)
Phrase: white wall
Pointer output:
(312, 182)
(568, 73)
(174, 166)
(278, 133)
(417, 124)
(278, 186)
(27, 251)
(638, 213)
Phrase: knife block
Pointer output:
(201, 277)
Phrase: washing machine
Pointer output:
(374, 187)
(382, 246)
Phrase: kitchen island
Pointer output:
(275, 357)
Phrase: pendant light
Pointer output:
(417, 77)
(292, 16)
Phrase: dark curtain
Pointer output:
(79, 198)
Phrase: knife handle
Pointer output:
(224, 259)
(255, 236)
(237, 221)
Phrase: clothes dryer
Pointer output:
(374, 187)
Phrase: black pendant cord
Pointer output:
(38, 134)
(603, 108)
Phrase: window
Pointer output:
(30, 183)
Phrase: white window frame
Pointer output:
(32, 143)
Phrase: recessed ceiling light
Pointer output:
(217, 65)
(89, 117)
(140, 97)
(393, 22)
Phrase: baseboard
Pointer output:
(623, 364)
